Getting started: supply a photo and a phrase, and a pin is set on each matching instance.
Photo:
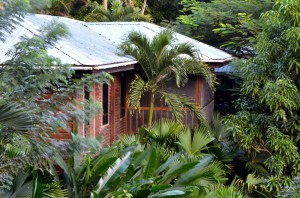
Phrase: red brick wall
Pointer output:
(96, 125)
(115, 126)
(79, 99)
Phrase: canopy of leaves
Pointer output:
(268, 126)
(199, 19)
(93, 11)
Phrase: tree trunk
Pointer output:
(151, 109)
(105, 4)
(144, 7)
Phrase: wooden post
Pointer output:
(126, 104)
(112, 112)
(198, 91)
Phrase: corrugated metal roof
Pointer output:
(94, 45)
(117, 31)
(83, 48)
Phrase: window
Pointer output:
(105, 104)
(123, 95)
(86, 94)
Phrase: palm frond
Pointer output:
(198, 67)
(129, 139)
(139, 46)
(205, 173)
(137, 89)
(201, 139)
(173, 101)
(193, 145)
(177, 104)
(165, 130)
(226, 191)
(252, 184)
(189, 104)
(217, 128)
(14, 116)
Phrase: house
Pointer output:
(92, 48)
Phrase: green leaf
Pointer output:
(172, 193)
(192, 174)
(165, 165)
(177, 170)
(151, 164)
(113, 173)
(142, 156)
(160, 187)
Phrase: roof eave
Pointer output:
(218, 60)
(103, 66)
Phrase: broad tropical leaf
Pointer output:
(165, 165)
(113, 173)
(151, 164)
(175, 170)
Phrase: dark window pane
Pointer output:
(123, 95)
(105, 104)
(87, 113)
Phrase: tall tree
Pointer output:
(200, 18)
(161, 61)
(267, 127)
(164, 10)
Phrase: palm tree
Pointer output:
(161, 60)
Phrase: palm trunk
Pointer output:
(144, 7)
(151, 109)
(105, 4)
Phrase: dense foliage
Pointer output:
(93, 11)
(236, 22)
(267, 125)
(254, 152)
(166, 159)
(32, 92)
